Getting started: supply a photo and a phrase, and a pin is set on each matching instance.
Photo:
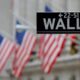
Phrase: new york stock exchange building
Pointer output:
(19, 15)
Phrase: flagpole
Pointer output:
(33, 27)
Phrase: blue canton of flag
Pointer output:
(19, 36)
(18, 23)
(47, 9)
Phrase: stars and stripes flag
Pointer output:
(51, 48)
(47, 9)
(26, 41)
(6, 49)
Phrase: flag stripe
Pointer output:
(51, 47)
(25, 50)
(55, 54)
(50, 53)
(51, 50)
(18, 72)
(6, 52)
(45, 40)
(59, 52)
(41, 46)
(3, 54)
(48, 45)
(26, 58)
(24, 53)
(19, 52)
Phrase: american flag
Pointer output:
(52, 47)
(47, 9)
(6, 49)
(26, 42)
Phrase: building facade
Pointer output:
(67, 66)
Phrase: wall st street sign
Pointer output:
(60, 22)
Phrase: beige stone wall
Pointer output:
(27, 9)
(6, 25)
